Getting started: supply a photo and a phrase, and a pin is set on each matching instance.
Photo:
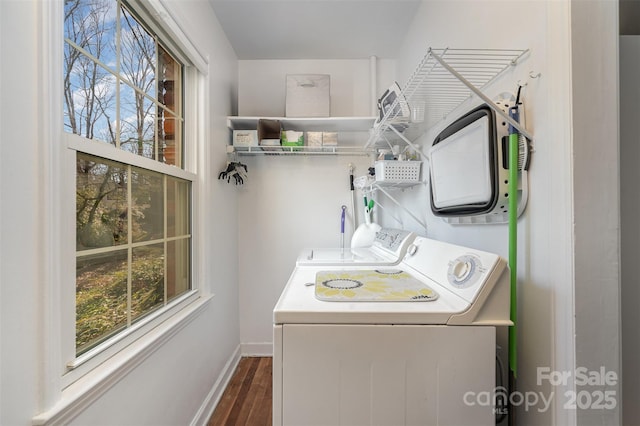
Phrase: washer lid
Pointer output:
(299, 305)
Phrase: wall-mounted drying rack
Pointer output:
(444, 79)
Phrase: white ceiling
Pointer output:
(315, 29)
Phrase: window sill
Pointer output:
(81, 394)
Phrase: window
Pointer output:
(132, 242)
(124, 89)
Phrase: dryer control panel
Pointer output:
(461, 270)
(394, 241)
(388, 248)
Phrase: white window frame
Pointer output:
(71, 384)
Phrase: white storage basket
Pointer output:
(392, 171)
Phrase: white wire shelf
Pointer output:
(312, 124)
(301, 150)
(443, 80)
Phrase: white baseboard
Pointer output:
(213, 397)
(257, 349)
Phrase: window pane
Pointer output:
(137, 121)
(91, 24)
(169, 135)
(101, 203)
(169, 118)
(89, 100)
(178, 273)
(178, 202)
(101, 297)
(147, 205)
(170, 76)
(89, 89)
(138, 55)
(147, 279)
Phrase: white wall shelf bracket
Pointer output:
(422, 223)
(404, 138)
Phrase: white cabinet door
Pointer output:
(385, 375)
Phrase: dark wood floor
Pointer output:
(247, 399)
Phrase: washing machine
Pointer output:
(409, 343)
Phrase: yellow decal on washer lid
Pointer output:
(371, 285)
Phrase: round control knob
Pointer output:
(461, 269)
(412, 249)
(464, 271)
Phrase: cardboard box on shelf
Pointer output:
(244, 138)
(308, 95)
(269, 133)
(314, 140)
(329, 139)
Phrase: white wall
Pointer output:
(263, 84)
(293, 202)
(630, 226)
(19, 213)
(174, 382)
(595, 100)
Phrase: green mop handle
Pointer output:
(513, 242)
